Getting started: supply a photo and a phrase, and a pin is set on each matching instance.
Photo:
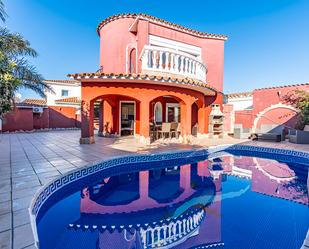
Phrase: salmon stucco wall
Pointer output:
(62, 117)
(263, 98)
(245, 118)
(23, 119)
(116, 42)
(269, 107)
(18, 119)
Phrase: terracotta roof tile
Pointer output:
(238, 95)
(35, 102)
(60, 82)
(161, 21)
(275, 87)
(75, 100)
(187, 81)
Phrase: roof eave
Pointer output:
(161, 22)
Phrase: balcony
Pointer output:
(159, 60)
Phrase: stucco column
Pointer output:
(101, 120)
(143, 184)
(108, 123)
(144, 121)
(201, 117)
(202, 129)
(185, 177)
(87, 123)
(185, 116)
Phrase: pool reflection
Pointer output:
(174, 207)
(157, 208)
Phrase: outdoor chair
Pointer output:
(165, 130)
(195, 130)
(298, 136)
(129, 127)
(174, 126)
(271, 132)
(152, 132)
(240, 132)
(177, 131)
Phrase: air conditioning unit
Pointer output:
(37, 109)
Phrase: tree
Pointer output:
(15, 70)
(300, 100)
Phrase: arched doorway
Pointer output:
(158, 112)
(115, 114)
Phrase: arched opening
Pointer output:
(158, 114)
(132, 61)
(165, 117)
(116, 115)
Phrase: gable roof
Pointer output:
(161, 22)
(63, 82)
(69, 100)
(284, 86)
(33, 102)
(238, 95)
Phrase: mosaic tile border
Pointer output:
(48, 190)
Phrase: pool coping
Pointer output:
(48, 189)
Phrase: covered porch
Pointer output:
(145, 108)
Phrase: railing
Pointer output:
(166, 60)
(169, 235)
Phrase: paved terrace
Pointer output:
(29, 160)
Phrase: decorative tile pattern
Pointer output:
(137, 162)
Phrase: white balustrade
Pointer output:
(169, 234)
(166, 60)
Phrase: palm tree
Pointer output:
(15, 70)
(2, 12)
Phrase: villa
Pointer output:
(152, 72)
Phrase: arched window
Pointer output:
(158, 112)
(132, 61)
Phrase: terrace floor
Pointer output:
(29, 160)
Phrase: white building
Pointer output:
(66, 93)
(240, 101)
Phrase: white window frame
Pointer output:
(176, 114)
(178, 46)
(127, 101)
(65, 90)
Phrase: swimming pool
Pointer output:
(231, 197)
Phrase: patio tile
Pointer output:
(5, 222)
(48, 174)
(28, 178)
(44, 170)
(24, 184)
(5, 186)
(65, 170)
(30, 247)
(23, 236)
(21, 169)
(17, 194)
(21, 203)
(21, 217)
(5, 240)
(4, 197)
(5, 207)
(22, 173)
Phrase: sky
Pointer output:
(268, 40)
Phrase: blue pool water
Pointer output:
(229, 201)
